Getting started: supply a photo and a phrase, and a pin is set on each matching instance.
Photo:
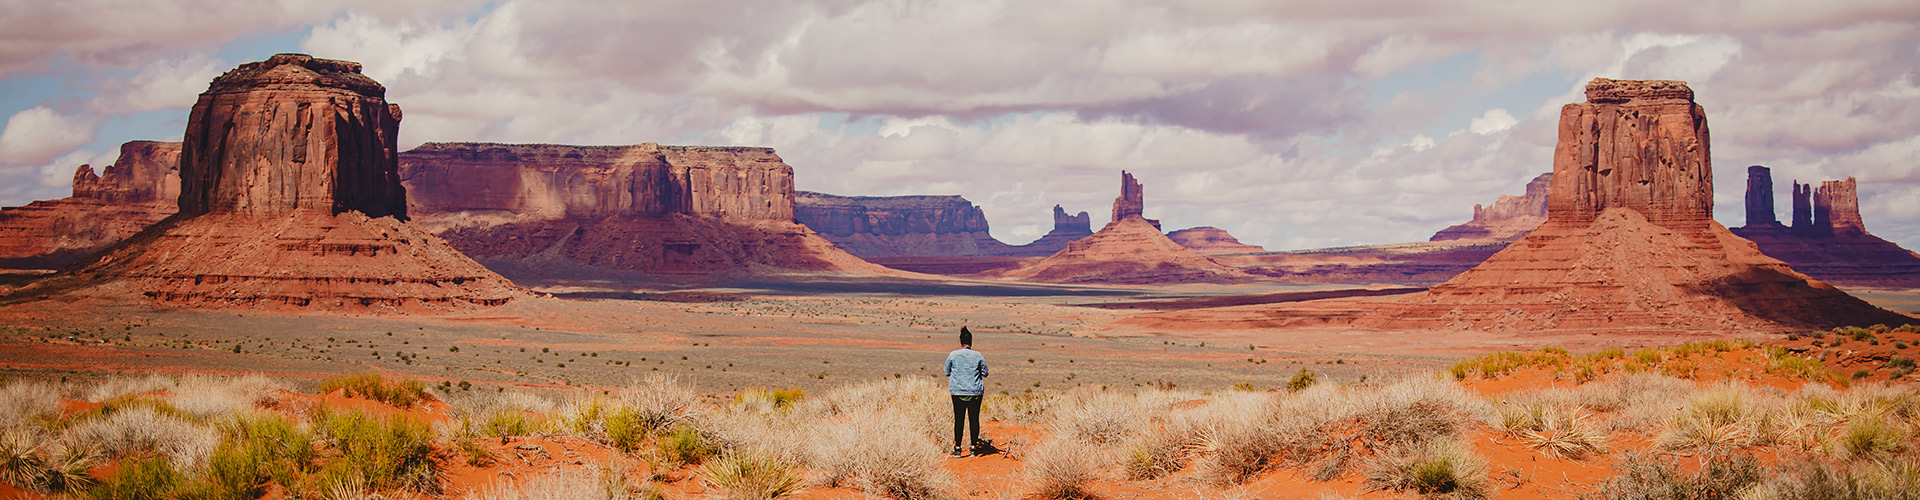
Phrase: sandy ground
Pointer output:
(805, 332)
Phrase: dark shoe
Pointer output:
(958, 452)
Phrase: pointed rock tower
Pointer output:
(290, 198)
(1630, 242)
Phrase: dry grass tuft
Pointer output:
(750, 476)
(1063, 468)
(1439, 468)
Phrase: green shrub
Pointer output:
(507, 423)
(381, 454)
(145, 479)
(1871, 437)
(372, 386)
(746, 476)
(778, 398)
(1435, 469)
(20, 463)
(625, 429)
(685, 445)
(1301, 380)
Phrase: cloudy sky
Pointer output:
(1292, 124)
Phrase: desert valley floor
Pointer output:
(804, 332)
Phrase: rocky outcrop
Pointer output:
(1509, 219)
(545, 210)
(898, 226)
(1131, 202)
(1130, 250)
(1211, 240)
(136, 191)
(1760, 197)
(289, 199)
(1841, 252)
(1630, 243)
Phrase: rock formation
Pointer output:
(1760, 197)
(1211, 240)
(1841, 252)
(898, 226)
(1130, 202)
(542, 210)
(1130, 250)
(1802, 206)
(136, 191)
(1629, 241)
(290, 198)
(1839, 202)
(1509, 219)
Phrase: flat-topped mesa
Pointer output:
(292, 133)
(1510, 217)
(1211, 240)
(1131, 201)
(898, 226)
(562, 181)
(1640, 145)
(1838, 203)
(1760, 197)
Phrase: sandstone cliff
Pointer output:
(543, 210)
(136, 191)
(1509, 219)
(1842, 255)
(1211, 240)
(289, 199)
(556, 181)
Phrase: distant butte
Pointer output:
(1509, 219)
(1129, 250)
(558, 211)
(289, 199)
(136, 191)
(1211, 240)
(1829, 240)
(898, 228)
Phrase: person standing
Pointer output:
(966, 382)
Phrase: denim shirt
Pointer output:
(966, 369)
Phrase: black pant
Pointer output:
(965, 409)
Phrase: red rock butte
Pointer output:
(289, 199)
(1629, 241)
(923, 226)
(1211, 240)
(136, 191)
(555, 211)
(1508, 219)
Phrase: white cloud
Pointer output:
(1494, 120)
(35, 135)
(161, 84)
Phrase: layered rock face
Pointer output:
(555, 181)
(1509, 219)
(1841, 251)
(1211, 240)
(290, 198)
(1629, 243)
(136, 191)
(1129, 250)
(543, 210)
